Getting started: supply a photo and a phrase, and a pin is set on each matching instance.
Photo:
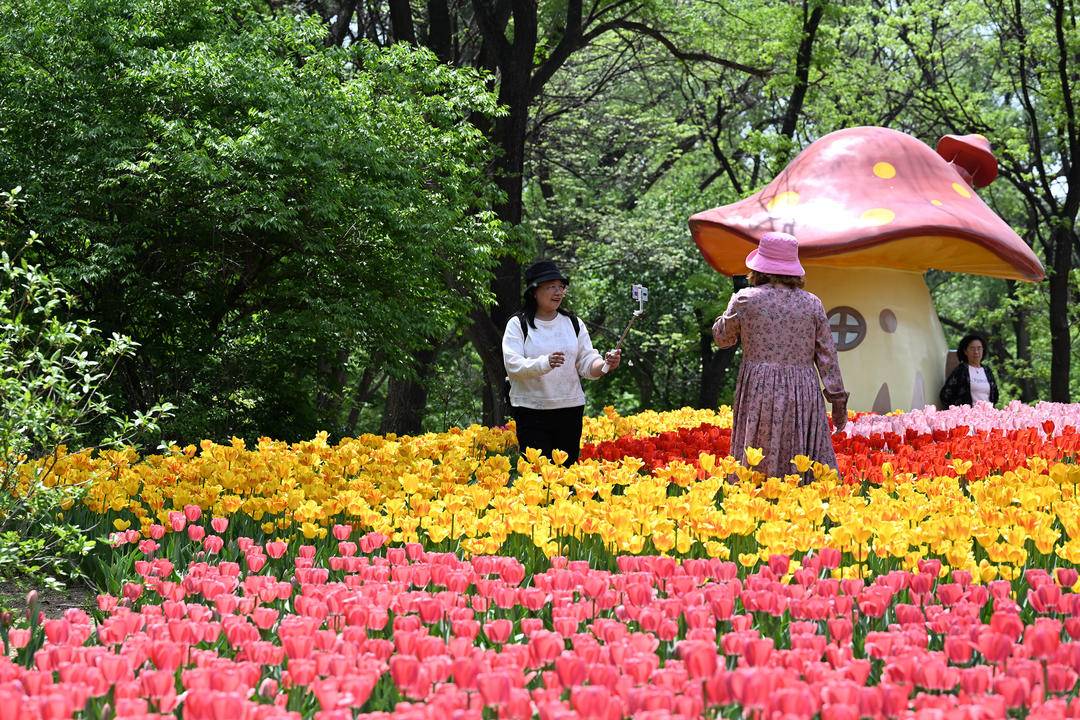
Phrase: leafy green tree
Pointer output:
(525, 45)
(1007, 69)
(262, 213)
(54, 371)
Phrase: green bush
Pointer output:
(53, 368)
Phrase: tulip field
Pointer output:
(934, 575)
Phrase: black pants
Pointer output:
(548, 430)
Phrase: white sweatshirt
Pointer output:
(533, 382)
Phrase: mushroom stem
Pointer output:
(968, 174)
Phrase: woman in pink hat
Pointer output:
(786, 345)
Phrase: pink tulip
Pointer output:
(213, 544)
(700, 658)
(590, 702)
(498, 631)
(757, 652)
(830, 558)
(1043, 638)
(494, 687)
(177, 521)
(18, 637)
(1013, 690)
(544, 646)
(994, 646)
(276, 549)
(958, 649)
(840, 630)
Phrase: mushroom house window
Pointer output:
(848, 327)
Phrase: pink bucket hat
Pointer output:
(777, 253)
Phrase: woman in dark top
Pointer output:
(971, 381)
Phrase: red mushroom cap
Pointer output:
(973, 153)
(870, 197)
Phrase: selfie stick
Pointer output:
(641, 294)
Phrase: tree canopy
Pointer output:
(263, 213)
(316, 217)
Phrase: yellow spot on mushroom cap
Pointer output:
(783, 201)
(961, 190)
(878, 216)
(935, 202)
(884, 170)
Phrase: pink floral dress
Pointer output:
(786, 343)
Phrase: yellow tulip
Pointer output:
(754, 456)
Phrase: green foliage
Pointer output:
(251, 206)
(54, 369)
(282, 224)
(41, 551)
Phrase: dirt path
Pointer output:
(53, 602)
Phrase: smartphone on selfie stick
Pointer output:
(641, 294)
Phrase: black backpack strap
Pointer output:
(574, 322)
(524, 326)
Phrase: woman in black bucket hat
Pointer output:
(547, 351)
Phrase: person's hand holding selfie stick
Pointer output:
(614, 357)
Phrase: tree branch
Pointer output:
(696, 56)
(1073, 155)
(570, 41)
(492, 24)
(802, 69)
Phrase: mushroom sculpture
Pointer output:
(873, 210)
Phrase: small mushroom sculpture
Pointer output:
(873, 210)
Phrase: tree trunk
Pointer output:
(365, 388)
(646, 385)
(339, 30)
(406, 399)
(486, 337)
(714, 366)
(439, 31)
(1022, 333)
(1060, 339)
(487, 328)
(401, 21)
